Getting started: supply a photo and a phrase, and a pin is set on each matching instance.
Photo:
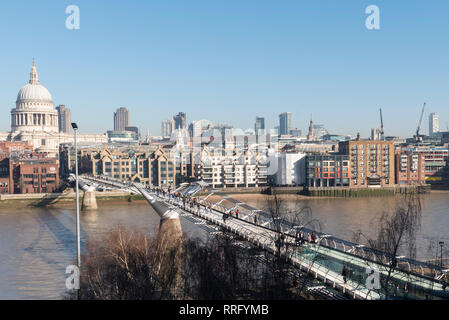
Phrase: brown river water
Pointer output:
(37, 244)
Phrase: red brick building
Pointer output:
(410, 168)
(24, 171)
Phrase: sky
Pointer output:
(230, 61)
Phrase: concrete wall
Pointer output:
(71, 195)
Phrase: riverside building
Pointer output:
(24, 171)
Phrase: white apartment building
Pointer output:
(232, 168)
(291, 169)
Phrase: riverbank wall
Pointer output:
(329, 192)
(363, 192)
(54, 199)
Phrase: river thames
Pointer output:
(37, 244)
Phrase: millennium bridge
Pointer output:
(345, 269)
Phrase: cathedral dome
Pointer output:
(34, 95)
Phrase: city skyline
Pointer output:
(179, 121)
(343, 71)
(198, 150)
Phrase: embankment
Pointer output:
(63, 199)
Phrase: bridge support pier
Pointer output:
(170, 234)
(169, 250)
(89, 201)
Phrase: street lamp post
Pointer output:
(441, 253)
(78, 242)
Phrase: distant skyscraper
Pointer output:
(64, 119)
(434, 124)
(259, 125)
(285, 123)
(121, 119)
(167, 128)
(180, 121)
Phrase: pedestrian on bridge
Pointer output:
(313, 237)
(237, 213)
(344, 273)
(199, 206)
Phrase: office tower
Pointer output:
(121, 119)
(64, 118)
(180, 120)
(167, 128)
(259, 125)
(434, 124)
(285, 123)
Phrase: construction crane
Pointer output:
(381, 125)
(418, 130)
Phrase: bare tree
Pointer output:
(287, 218)
(396, 236)
(126, 264)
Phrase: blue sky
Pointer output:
(230, 61)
